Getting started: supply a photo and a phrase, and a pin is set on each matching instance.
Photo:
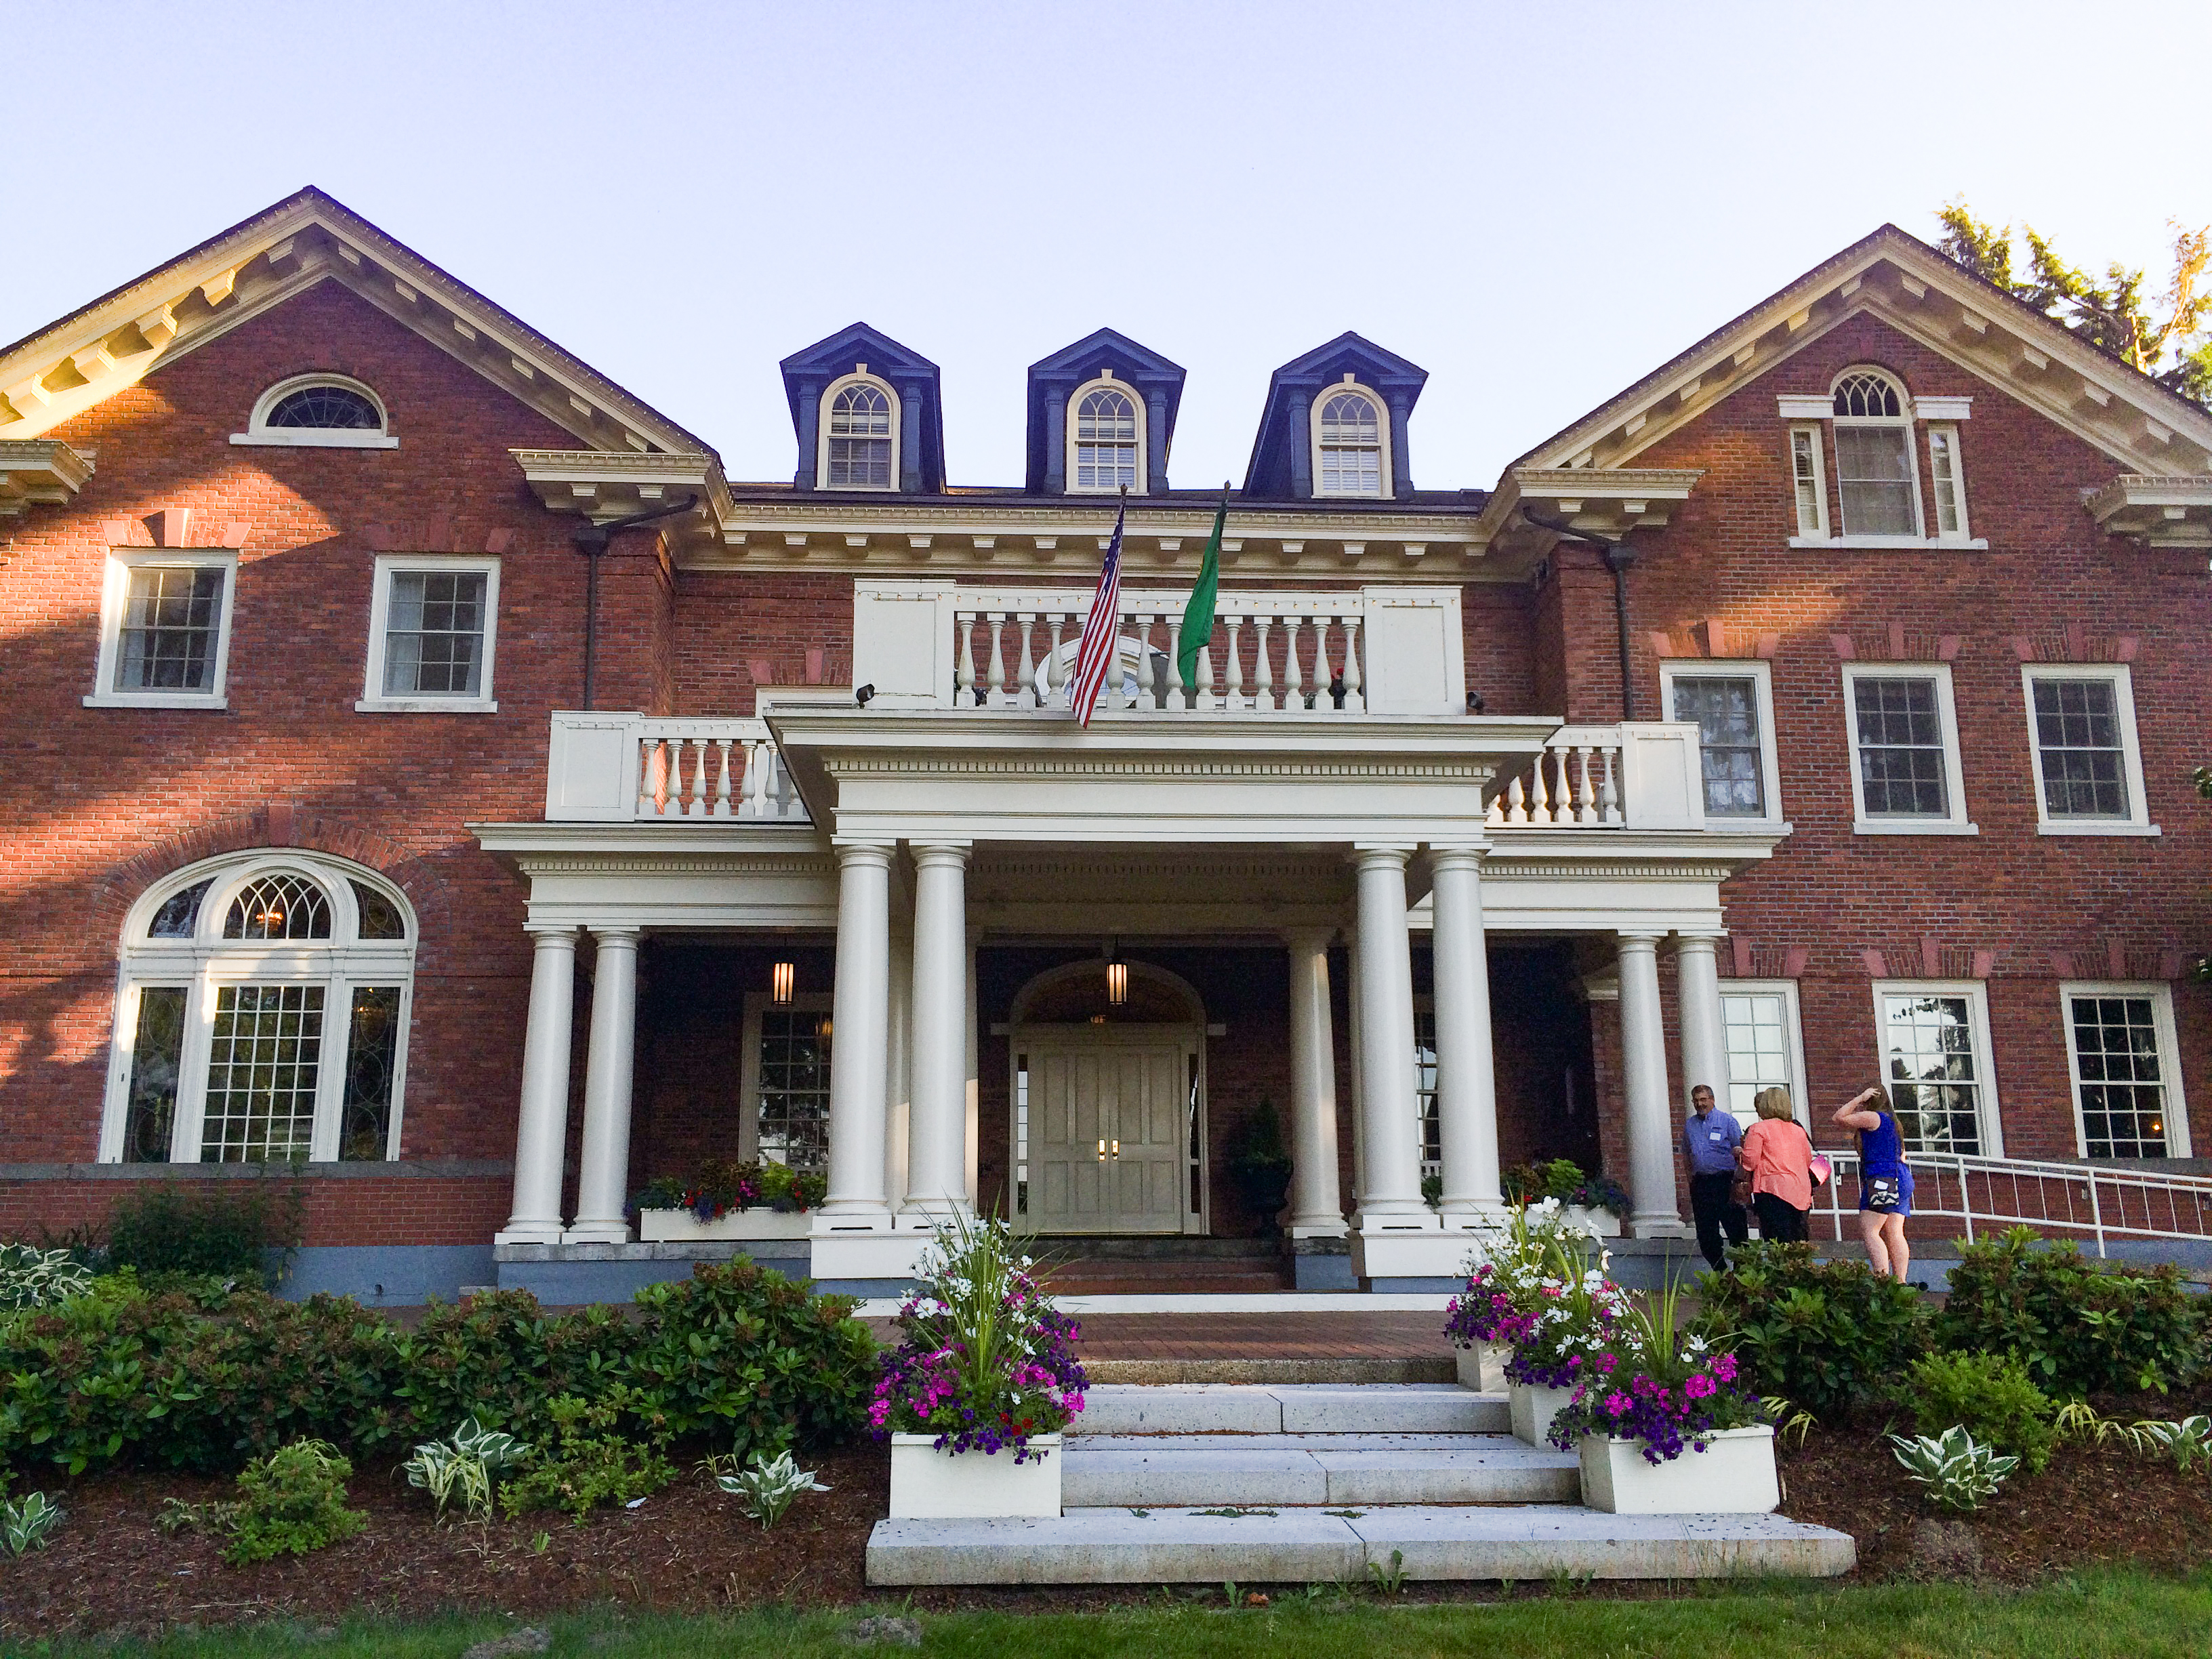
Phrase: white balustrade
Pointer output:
(1575, 780)
(708, 768)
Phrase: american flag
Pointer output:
(1097, 654)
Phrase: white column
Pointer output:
(602, 1167)
(860, 1050)
(937, 1150)
(1467, 1085)
(541, 1139)
(971, 1096)
(1651, 1108)
(1697, 1001)
(1393, 1161)
(1316, 1208)
(899, 1089)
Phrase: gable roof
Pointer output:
(118, 338)
(808, 372)
(1281, 466)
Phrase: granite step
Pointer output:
(1181, 1409)
(1211, 1470)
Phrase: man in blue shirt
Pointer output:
(1710, 1138)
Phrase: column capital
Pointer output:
(862, 852)
(1640, 943)
(1311, 936)
(941, 852)
(1367, 855)
(542, 934)
(625, 934)
(1456, 856)
(1699, 943)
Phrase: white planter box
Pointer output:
(926, 1483)
(1734, 1475)
(1482, 1367)
(1604, 1223)
(682, 1227)
(1534, 1408)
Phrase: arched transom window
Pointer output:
(1875, 481)
(262, 1015)
(1349, 435)
(319, 411)
(859, 445)
(1108, 435)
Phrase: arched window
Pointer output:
(319, 411)
(262, 1016)
(859, 436)
(1349, 434)
(1876, 481)
(1106, 435)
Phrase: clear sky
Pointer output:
(1537, 203)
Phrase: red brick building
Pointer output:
(383, 812)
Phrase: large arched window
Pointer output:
(1350, 443)
(1876, 482)
(262, 1015)
(1106, 435)
(859, 434)
(319, 411)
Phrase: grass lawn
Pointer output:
(2124, 1616)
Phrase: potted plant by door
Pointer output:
(1260, 1163)
(975, 1397)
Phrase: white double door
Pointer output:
(1112, 1130)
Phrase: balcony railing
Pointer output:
(638, 768)
(2097, 1202)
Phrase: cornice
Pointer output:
(879, 765)
(40, 469)
(668, 864)
(2171, 511)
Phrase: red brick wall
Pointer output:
(412, 1209)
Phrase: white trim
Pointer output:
(1793, 1018)
(749, 1067)
(259, 433)
(1890, 543)
(2178, 1142)
(1761, 675)
(1906, 422)
(1813, 531)
(115, 592)
(1942, 408)
(1956, 822)
(1796, 406)
(822, 431)
(1339, 389)
(1948, 433)
(2137, 820)
(1143, 484)
(373, 700)
(1978, 1025)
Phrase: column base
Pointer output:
(887, 1256)
(1334, 1226)
(843, 1223)
(529, 1232)
(928, 1218)
(596, 1232)
(1661, 1224)
(1475, 1217)
(1398, 1247)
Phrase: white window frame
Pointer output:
(1381, 432)
(2178, 1142)
(1957, 824)
(2137, 822)
(1903, 421)
(1990, 1119)
(1794, 1040)
(1104, 382)
(749, 1066)
(373, 700)
(1814, 530)
(1948, 432)
(1760, 673)
(859, 377)
(207, 962)
(258, 432)
(115, 594)
(1812, 416)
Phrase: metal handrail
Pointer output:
(2099, 1201)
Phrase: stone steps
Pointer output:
(1190, 1408)
(1338, 1372)
(1206, 1470)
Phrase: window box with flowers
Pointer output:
(975, 1397)
(728, 1200)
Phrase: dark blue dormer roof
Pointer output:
(1282, 456)
(1155, 380)
(809, 373)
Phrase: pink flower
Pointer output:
(1616, 1403)
(1698, 1387)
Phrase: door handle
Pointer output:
(1101, 1151)
(1117, 1149)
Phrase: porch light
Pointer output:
(780, 979)
(1117, 983)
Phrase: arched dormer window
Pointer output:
(859, 434)
(1877, 485)
(1105, 439)
(319, 411)
(262, 1016)
(1351, 442)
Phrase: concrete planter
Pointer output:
(1482, 1367)
(1534, 1408)
(1604, 1222)
(682, 1227)
(926, 1483)
(1734, 1475)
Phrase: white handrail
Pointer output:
(2101, 1201)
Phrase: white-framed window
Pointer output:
(1809, 483)
(2082, 745)
(1105, 439)
(2126, 1063)
(1933, 1037)
(1732, 705)
(261, 1015)
(432, 625)
(165, 629)
(860, 435)
(1867, 428)
(1351, 442)
(319, 411)
(1947, 477)
(1877, 485)
(1764, 1041)
(784, 1079)
(1903, 731)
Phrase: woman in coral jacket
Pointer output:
(1778, 1155)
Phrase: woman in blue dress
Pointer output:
(1885, 1180)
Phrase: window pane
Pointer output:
(326, 406)
(380, 916)
(1755, 1026)
(1350, 446)
(156, 1051)
(1900, 732)
(262, 1072)
(279, 907)
(2077, 730)
(1726, 710)
(794, 1088)
(1106, 442)
(2116, 1055)
(171, 619)
(1874, 473)
(434, 634)
(179, 913)
(1425, 1092)
(1805, 472)
(1943, 466)
(1934, 1075)
(372, 1056)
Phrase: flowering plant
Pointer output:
(987, 1362)
(1563, 1179)
(1651, 1385)
(1512, 1263)
(719, 1186)
(1577, 1318)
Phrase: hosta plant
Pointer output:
(33, 1278)
(2189, 1442)
(766, 1487)
(464, 1467)
(1954, 1470)
(26, 1522)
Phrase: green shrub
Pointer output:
(596, 1456)
(291, 1501)
(1821, 1334)
(2079, 1327)
(225, 1228)
(1990, 1396)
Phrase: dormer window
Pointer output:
(319, 411)
(1882, 442)
(1349, 446)
(1876, 480)
(1106, 435)
(859, 434)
